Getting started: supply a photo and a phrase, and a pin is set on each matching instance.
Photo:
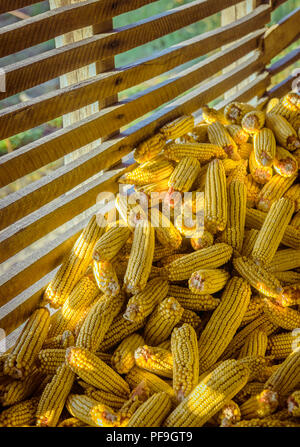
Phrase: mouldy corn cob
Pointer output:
(156, 360)
(54, 397)
(22, 357)
(284, 317)
(152, 412)
(123, 357)
(95, 372)
(166, 233)
(15, 391)
(286, 259)
(293, 403)
(177, 128)
(224, 322)
(285, 134)
(75, 263)
(215, 205)
(141, 305)
(137, 397)
(260, 406)
(218, 135)
(203, 152)
(110, 243)
(264, 146)
(253, 121)
(90, 411)
(254, 309)
(284, 163)
(208, 281)
(249, 242)
(272, 230)
(193, 301)
(103, 397)
(106, 278)
(149, 148)
(293, 193)
(255, 345)
(211, 115)
(151, 171)
(20, 414)
(140, 259)
(184, 175)
(209, 396)
(162, 320)
(184, 346)
(290, 295)
(287, 377)
(190, 317)
(282, 345)
(228, 415)
(48, 360)
(210, 258)
(238, 134)
(235, 111)
(259, 278)
(261, 174)
(273, 191)
(118, 330)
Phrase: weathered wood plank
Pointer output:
(50, 24)
(36, 111)
(281, 89)
(38, 69)
(284, 62)
(12, 5)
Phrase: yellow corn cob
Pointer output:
(109, 399)
(119, 329)
(295, 222)
(203, 241)
(160, 186)
(264, 146)
(184, 175)
(293, 403)
(193, 301)
(111, 243)
(259, 278)
(177, 128)
(98, 321)
(260, 406)
(255, 219)
(94, 371)
(211, 115)
(254, 309)
(286, 378)
(249, 241)
(140, 259)
(72, 422)
(90, 411)
(288, 278)
(156, 360)
(19, 414)
(293, 193)
(228, 415)
(151, 171)
(224, 322)
(204, 152)
(161, 251)
(237, 199)
(209, 396)
(75, 263)
(215, 205)
(106, 278)
(190, 317)
(131, 208)
(162, 320)
(291, 101)
(285, 164)
(152, 412)
(272, 230)
(290, 295)
(244, 150)
(239, 173)
(137, 397)
(239, 135)
(166, 344)
(235, 111)
(295, 123)
(105, 357)
(123, 357)
(260, 367)
(168, 259)
(149, 148)
(255, 345)
(282, 345)
(218, 135)
(141, 305)
(166, 233)
(208, 281)
(49, 360)
(285, 134)
(63, 340)
(200, 182)
(261, 174)
(14, 391)
(210, 258)
(200, 132)
(154, 383)
(253, 189)
(286, 259)
(282, 316)
(54, 397)
(253, 121)
(249, 390)
(23, 355)
(271, 104)
(265, 423)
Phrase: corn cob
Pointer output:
(224, 322)
(123, 357)
(285, 164)
(155, 360)
(203, 152)
(190, 317)
(98, 321)
(200, 132)
(271, 104)
(184, 175)
(208, 281)
(249, 390)
(282, 316)
(282, 345)
(132, 208)
(160, 186)
(260, 406)
(22, 357)
(161, 251)
(239, 135)
(90, 411)
(293, 403)
(149, 148)
(288, 278)
(166, 232)
(252, 188)
(48, 360)
(264, 146)
(237, 200)
(151, 171)
(72, 422)
(119, 329)
(293, 193)
(14, 391)
(260, 367)
(137, 397)
(166, 344)
(286, 259)
(152, 412)
(261, 174)
(209, 396)
(210, 258)
(75, 263)
(215, 210)
(287, 377)
(253, 121)
(110, 243)
(20, 414)
(295, 123)
(254, 309)
(290, 295)
(259, 278)
(228, 415)
(63, 340)
(218, 135)
(203, 241)
(285, 134)
(103, 397)
(168, 259)
(211, 115)
(193, 301)
(235, 111)
(255, 345)
(244, 150)
(295, 222)
(265, 423)
(162, 320)
(140, 259)
(54, 397)
(249, 241)
(177, 128)
(291, 101)
(94, 371)
(239, 173)
(154, 383)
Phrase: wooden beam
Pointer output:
(12, 5)
(284, 62)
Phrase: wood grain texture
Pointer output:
(12, 5)
(38, 69)
(46, 26)
(282, 88)
(36, 111)
(277, 3)
(284, 62)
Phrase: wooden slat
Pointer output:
(41, 68)
(36, 111)
(12, 5)
(280, 36)
(277, 3)
(52, 147)
(50, 24)
(282, 88)
(284, 62)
